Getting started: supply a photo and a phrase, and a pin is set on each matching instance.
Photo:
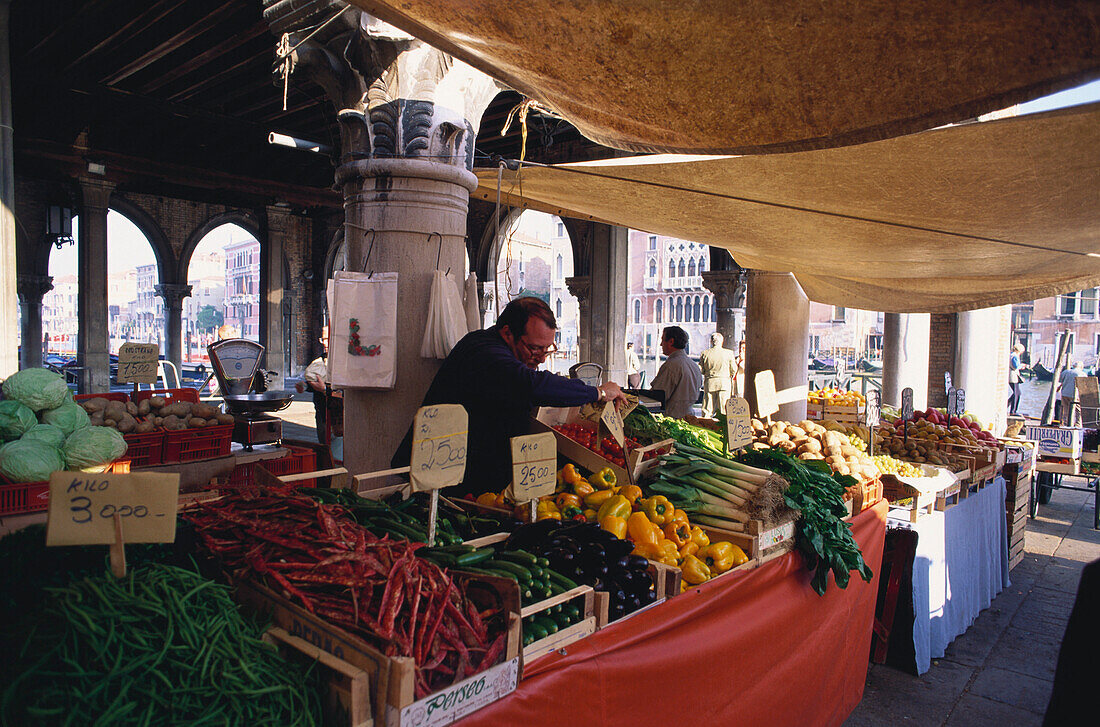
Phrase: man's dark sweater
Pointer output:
(498, 391)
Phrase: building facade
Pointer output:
(1041, 324)
(59, 322)
(242, 287)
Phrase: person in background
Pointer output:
(1014, 367)
(494, 374)
(739, 377)
(633, 367)
(679, 377)
(1071, 410)
(719, 366)
(314, 379)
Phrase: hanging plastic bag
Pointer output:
(363, 330)
(473, 305)
(446, 317)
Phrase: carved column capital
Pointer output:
(728, 287)
(580, 287)
(96, 193)
(173, 294)
(31, 288)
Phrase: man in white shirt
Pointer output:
(679, 377)
(719, 367)
(1071, 410)
(633, 367)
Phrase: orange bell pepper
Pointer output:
(669, 550)
(679, 516)
(582, 488)
(614, 525)
(641, 530)
(649, 551)
(632, 493)
(567, 499)
(688, 548)
(487, 498)
(678, 532)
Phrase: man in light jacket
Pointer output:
(719, 367)
(679, 377)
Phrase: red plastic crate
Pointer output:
(146, 449)
(189, 445)
(27, 497)
(172, 395)
(300, 459)
(109, 396)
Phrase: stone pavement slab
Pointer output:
(1010, 687)
(975, 711)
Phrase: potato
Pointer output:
(126, 423)
(204, 411)
(795, 432)
(144, 427)
(96, 419)
(806, 455)
(842, 469)
(108, 422)
(196, 422)
(848, 450)
(95, 404)
(131, 408)
(833, 460)
(225, 418)
(812, 445)
(144, 407)
(173, 422)
(212, 422)
(786, 445)
(157, 401)
(158, 421)
(114, 410)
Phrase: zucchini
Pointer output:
(518, 556)
(477, 556)
(546, 622)
(519, 570)
(559, 579)
(537, 630)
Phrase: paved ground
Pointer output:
(1000, 672)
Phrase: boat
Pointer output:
(1041, 372)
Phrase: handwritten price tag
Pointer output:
(613, 421)
(534, 466)
(907, 403)
(439, 447)
(137, 363)
(874, 408)
(767, 403)
(83, 506)
(960, 403)
(738, 424)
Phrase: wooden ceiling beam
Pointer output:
(214, 79)
(80, 19)
(177, 41)
(138, 25)
(216, 52)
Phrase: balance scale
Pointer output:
(236, 362)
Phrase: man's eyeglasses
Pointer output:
(542, 351)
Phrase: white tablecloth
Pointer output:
(961, 564)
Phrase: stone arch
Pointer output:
(335, 246)
(244, 220)
(162, 249)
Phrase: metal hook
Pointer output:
(370, 249)
(439, 251)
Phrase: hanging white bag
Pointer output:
(446, 323)
(363, 330)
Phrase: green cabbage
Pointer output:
(47, 433)
(14, 419)
(68, 417)
(89, 448)
(38, 389)
(28, 460)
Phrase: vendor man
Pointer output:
(493, 374)
(679, 377)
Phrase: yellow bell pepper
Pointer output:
(582, 488)
(487, 498)
(698, 537)
(679, 516)
(500, 500)
(590, 515)
(688, 548)
(568, 474)
(614, 506)
(641, 530)
(721, 556)
(603, 479)
(614, 525)
(658, 509)
(598, 498)
(678, 532)
(669, 551)
(633, 493)
(567, 499)
(546, 506)
(555, 515)
(649, 551)
(695, 571)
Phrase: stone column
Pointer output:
(777, 337)
(408, 117)
(173, 295)
(31, 290)
(905, 357)
(9, 316)
(728, 287)
(92, 335)
(609, 279)
(981, 348)
(272, 292)
(580, 287)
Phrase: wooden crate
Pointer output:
(547, 417)
(666, 584)
(392, 678)
(924, 493)
(560, 639)
(347, 698)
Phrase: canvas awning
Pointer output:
(738, 76)
(961, 217)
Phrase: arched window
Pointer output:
(691, 267)
(714, 310)
(695, 310)
(637, 311)
(557, 305)
(706, 309)
(679, 309)
(702, 265)
(671, 310)
(671, 269)
(682, 268)
(660, 310)
(652, 268)
(559, 265)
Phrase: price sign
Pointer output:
(947, 381)
(83, 508)
(137, 363)
(960, 403)
(439, 447)
(874, 408)
(952, 401)
(738, 424)
(613, 421)
(534, 466)
(767, 402)
(907, 403)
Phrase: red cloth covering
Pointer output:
(753, 648)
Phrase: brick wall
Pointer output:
(941, 355)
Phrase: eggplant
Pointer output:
(648, 596)
(616, 548)
(633, 603)
(637, 562)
